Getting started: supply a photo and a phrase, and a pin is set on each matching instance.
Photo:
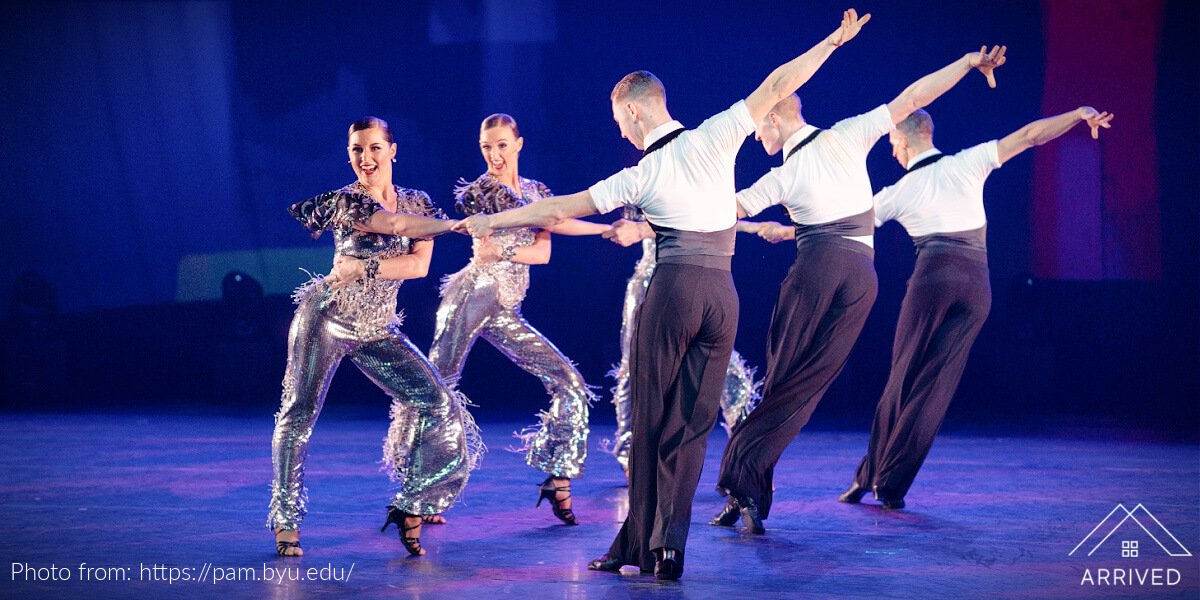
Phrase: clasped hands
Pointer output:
(346, 270)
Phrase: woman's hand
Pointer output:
(775, 232)
(346, 270)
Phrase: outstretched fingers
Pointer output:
(851, 25)
(1101, 120)
(988, 61)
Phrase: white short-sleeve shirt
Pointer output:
(827, 179)
(944, 197)
(688, 183)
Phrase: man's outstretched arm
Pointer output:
(928, 88)
(544, 213)
(1043, 130)
(788, 78)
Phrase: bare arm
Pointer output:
(788, 78)
(742, 214)
(776, 232)
(627, 233)
(543, 214)
(771, 231)
(537, 253)
(407, 225)
(750, 226)
(1043, 130)
(928, 88)
(579, 227)
(414, 265)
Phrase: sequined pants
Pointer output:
(682, 341)
(470, 309)
(948, 299)
(822, 305)
(425, 450)
(738, 396)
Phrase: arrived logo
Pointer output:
(1120, 517)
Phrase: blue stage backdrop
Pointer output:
(152, 148)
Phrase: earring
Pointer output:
(393, 160)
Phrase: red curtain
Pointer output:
(1095, 211)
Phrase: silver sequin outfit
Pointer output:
(738, 397)
(484, 300)
(432, 443)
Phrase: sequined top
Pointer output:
(369, 304)
(488, 195)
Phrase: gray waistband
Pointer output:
(723, 263)
(852, 226)
(674, 243)
(815, 241)
(973, 239)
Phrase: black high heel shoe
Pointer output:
(604, 563)
(728, 515)
(888, 499)
(854, 494)
(750, 515)
(283, 547)
(550, 492)
(668, 563)
(397, 516)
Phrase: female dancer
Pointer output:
(484, 298)
(381, 237)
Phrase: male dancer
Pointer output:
(939, 201)
(739, 393)
(685, 328)
(828, 292)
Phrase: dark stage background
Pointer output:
(151, 148)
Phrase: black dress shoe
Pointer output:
(888, 499)
(750, 518)
(728, 515)
(854, 494)
(604, 563)
(668, 564)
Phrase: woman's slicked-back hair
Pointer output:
(370, 122)
(501, 119)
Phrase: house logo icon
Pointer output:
(1116, 519)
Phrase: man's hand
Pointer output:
(346, 270)
(776, 232)
(1095, 120)
(627, 233)
(851, 25)
(477, 225)
(987, 62)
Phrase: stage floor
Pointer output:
(120, 505)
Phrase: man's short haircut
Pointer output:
(918, 124)
(788, 108)
(637, 86)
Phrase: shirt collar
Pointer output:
(922, 156)
(658, 132)
(804, 131)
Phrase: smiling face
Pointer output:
(371, 156)
(501, 149)
(625, 113)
